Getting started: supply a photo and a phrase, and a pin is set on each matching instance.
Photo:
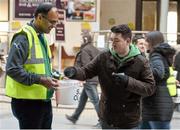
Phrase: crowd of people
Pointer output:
(132, 75)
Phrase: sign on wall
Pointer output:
(60, 32)
(76, 10)
(60, 35)
(26, 8)
(80, 10)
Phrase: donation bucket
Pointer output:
(68, 92)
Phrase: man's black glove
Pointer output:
(120, 78)
(70, 72)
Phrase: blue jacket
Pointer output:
(159, 106)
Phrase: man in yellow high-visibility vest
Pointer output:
(29, 79)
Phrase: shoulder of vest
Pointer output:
(24, 30)
(20, 32)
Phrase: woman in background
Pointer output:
(157, 110)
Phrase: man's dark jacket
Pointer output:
(120, 103)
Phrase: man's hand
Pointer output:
(49, 82)
(70, 72)
(120, 78)
(177, 84)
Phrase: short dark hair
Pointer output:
(43, 8)
(136, 37)
(123, 29)
(87, 38)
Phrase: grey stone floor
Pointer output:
(87, 119)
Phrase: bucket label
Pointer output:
(76, 96)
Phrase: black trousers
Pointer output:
(32, 114)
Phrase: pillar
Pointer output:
(163, 16)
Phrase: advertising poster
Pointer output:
(80, 10)
(60, 35)
(60, 32)
(25, 8)
(75, 10)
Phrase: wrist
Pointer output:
(37, 79)
(42, 79)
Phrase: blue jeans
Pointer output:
(155, 125)
(89, 91)
(32, 114)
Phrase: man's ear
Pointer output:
(39, 16)
(128, 40)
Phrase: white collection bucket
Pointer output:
(68, 92)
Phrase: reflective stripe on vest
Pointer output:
(34, 64)
(171, 83)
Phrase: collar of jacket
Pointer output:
(32, 25)
(114, 65)
(84, 44)
(134, 51)
(166, 51)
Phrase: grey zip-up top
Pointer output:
(87, 53)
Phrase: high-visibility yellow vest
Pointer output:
(36, 63)
(171, 83)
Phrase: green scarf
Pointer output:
(134, 51)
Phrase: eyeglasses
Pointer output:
(53, 22)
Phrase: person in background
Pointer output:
(177, 68)
(124, 76)
(141, 43)
(157, 110)
(2, 61)
(87, 53)
(29, 79)
(70, 9)
(177, 65)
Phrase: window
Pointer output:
(4, 13)
(149, 15)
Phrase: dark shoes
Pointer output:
(70, 118)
